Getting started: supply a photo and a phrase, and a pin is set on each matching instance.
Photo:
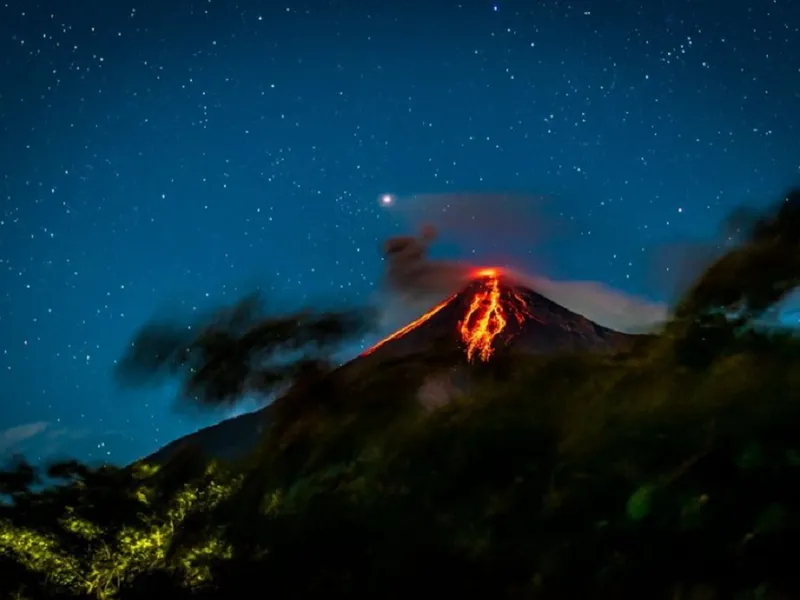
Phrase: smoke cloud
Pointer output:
(415, 281)
(603, 304)
(413, 276)
(518, 217)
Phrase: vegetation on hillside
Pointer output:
(669, 471)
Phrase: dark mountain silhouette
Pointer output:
(490, 313)
(228, 440)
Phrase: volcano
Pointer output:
(493, 311)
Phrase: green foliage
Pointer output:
(94, 539)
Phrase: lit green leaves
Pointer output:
(640, 502)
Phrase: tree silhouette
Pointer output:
(16, 481)
(758, 273)
(744, 287)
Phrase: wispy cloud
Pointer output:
(604, 305)
(13, 437)
(45, 439)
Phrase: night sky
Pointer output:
(172, 154)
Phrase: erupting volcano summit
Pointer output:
(494, 310)
(489, 313)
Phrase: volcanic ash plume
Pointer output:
(413, 276)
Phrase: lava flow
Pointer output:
(410, 326)
(488, 314)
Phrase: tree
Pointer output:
(16, 481)
(758, 273)
(743, 288)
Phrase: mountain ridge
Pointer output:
(531, 324)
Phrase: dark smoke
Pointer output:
(413, 276)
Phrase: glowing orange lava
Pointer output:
(486, 317)
(488, 313)
(410, 326)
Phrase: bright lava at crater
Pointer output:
(490, 308)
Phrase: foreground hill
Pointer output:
(574, 476)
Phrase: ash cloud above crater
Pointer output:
(414, 280)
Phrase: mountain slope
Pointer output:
(228, 440)
(491, 312)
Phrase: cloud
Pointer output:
(13, 437)
(414, 281)
(412, 275)
(486, 215)
(603, 304)
(45, 439)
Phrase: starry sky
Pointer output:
(174, 153)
